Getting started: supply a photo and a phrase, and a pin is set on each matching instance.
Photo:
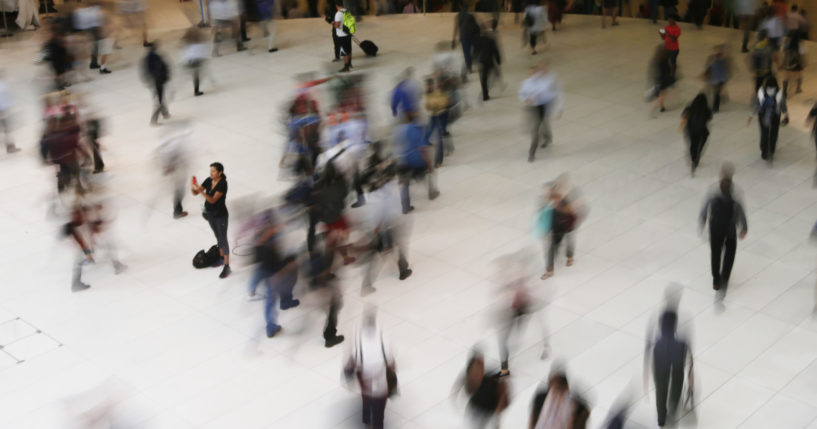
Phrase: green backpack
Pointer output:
(348, 22)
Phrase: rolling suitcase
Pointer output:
(369, 48)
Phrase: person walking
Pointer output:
(554, 406)
(671, 33)
(745, 9)
(667, 355)
(717, 73)
(387, 229)
(771, 112)
(373, 364)
(793, 62)
(488, 394)
(489, 59)
(157, 73)
(174, 157)
(413, 160)
(694, 121)
(609, 8)
(663, 78)
(214, 191)
(437, 104)
(724, 212)
(195, 55)
(543, 97)
(535, 21)
(466, 30)
(566, 216)
(343, 18)
(760, 60)
(267, 14)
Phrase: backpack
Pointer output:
(348, 22)
(206, 259)
(768, 108)
(527, 20)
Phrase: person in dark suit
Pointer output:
(157, 73)
(725, 213)
(488, 58)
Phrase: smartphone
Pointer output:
(194, 181)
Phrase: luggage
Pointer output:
(369, 48)
(206, 259)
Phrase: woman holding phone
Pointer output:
(214, 191)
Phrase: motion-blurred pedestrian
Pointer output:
(695, 123)
(543, 98)
(156, 73)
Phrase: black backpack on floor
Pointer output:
(206, 259)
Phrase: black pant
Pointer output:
(768, 137)
(485, 71)
(160, 100)
(556, 238)
(668, 386)
(331, 330)
(673, 60)
(178, 195)
(336, 42)
(219, 226)
(195, 68)
(697, 140)
(374, 411)
(723, 244)
(717, 89)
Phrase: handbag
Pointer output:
(544, 221)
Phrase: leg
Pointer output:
(716, 247)
(662, 381)
(178, 195)
(330, 333)
(676, 384)
(483, 80)
(370, 273)
(367, 409)
(258, 275)
(570, 244)
(730, 245)
(196, 79)
(773, 132)
(546, 133)
(405, 197)
(270, 26)
(378, 412)
(555, 240)
(764, 140)
(716, 96)
(537, 113)
(466, 52)
(271, 311)
(431, 178)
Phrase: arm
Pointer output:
(704, 214)
(427, 158)
(212, 199)
(742, 220)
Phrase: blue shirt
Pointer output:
(295, 125)
(410, 139)
(402, 99)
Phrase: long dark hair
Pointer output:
(699, 108)
(220, 168)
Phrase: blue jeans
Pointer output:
(438, 123)
(279, 285)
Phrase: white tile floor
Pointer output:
(185, 349)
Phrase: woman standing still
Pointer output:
(694, 121)
(214, 191)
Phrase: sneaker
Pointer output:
(292, 303)
(245, 39)
(345, 69)
(147, 44)
(241, 48)
(359, 203)
(80, 286)
(273, 50)
(336, 60)
(273, 329)
(405, 274)
(198, 94)
(530, 158)
(179, 215)
(103, 70)
(225, 272)
(12, 149)
(331, 342)
(434, 195)
(94, 66)
(408, 210)
(367, 290)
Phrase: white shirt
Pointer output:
(224, 10)
(339, 18)
(746, 7)
(195, 51)
(87, 18)
(541, 89)
(370, 360)
(383, 205)
(539, 18)
(5, 97)
(774, 27)
(444, 62)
